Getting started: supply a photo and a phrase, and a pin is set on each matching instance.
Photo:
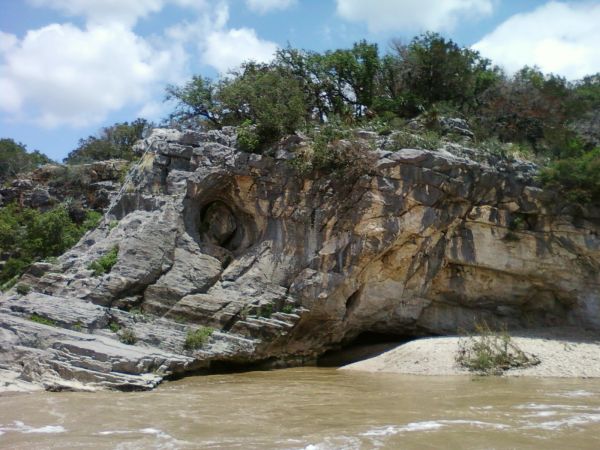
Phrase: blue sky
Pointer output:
(70, 67)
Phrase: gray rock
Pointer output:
(284, 267)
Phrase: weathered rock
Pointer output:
(90, 185)
(285, 268)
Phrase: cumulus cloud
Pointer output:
(63, 74)
(68, 75)
(393, 15)
(226, 49)
(219, 46)
(562, 38)
(265, 6)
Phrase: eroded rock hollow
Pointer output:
(284, 267)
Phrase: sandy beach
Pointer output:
(563, 352)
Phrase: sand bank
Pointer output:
(563, 352)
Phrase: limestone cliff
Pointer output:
(284, 267)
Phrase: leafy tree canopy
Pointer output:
(14, 159)
(113, 142)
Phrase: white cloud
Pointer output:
(395, 15)
(265, 6)
(7, 41)
(221, 47)
(62, 74)
(562, 38)
(226, 49)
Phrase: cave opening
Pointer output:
(366, 345)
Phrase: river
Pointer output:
(312, 408)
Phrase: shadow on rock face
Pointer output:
(218, 224)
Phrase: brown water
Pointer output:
(313, 408)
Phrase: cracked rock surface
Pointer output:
(284, 267)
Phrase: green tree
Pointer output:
(433, 69)
(266, 95)
(579, 176)
(529, 107)
(113, 142)
(15, 159)
(28, 235)
(587, 93)
(196, 99)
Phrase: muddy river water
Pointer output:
(312, 408)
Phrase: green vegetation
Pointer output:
(265, 311)
(247, 137)
(490, 353)
(105, 263)
(195, 339)
(15, 159)
(28, 235)
(43, 320)
(111, 142)
(127, 336)
(429, 140)
(287, 309)
(529, 114)
(114, 326)
(578, 175)
(23, 289)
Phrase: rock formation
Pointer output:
(284, 267)
(89, 185)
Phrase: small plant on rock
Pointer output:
(287, 309)
(23, 289)
(43, 320)
(195, 339)
(491, 353)
(105, 263)
(114, 327)
(265, 311)
(127, 336)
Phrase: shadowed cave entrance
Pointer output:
(366, 345)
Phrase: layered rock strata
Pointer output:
(284, 266)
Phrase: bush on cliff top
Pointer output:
(113, 142)
(528, 110)
(579, 176)
(14, 159)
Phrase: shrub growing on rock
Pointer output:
(579, 176)
(195, 339)
(23, 289)
(105, 263)
(248, 139)
(42, 320)
(127, 336)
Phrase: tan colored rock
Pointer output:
(284, 267)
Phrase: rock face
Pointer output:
(91, 185)
(284, 267)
